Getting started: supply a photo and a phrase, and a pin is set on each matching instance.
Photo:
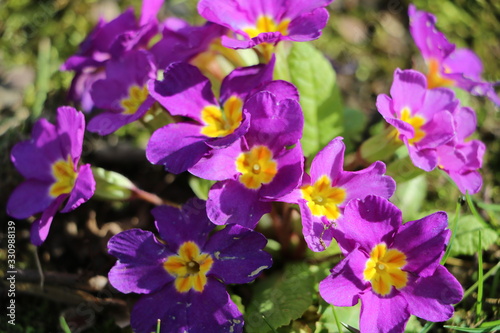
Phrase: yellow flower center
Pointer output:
(65, 175)
(383, 269)
(266, 24)
(323, 199)
(257, 167)
(190, 267)
(223, 122)
(434, 77)
(136, 96)
(416, 122)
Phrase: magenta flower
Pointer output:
(123, 94)
(392, 267)
(323, 195)
(183, 42)
(269, 22)
(261, 166)
(447, 65)
(183, 275)
(184, 91)
(461, 159)
(108, 41)
(49, 162)
(422, 118)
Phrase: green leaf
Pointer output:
(347, 316)
(354, 123)
(200, 186)
(282, 297)
(476, 330)
(466, 240)
(320, 98)
(64, 325)
(111, 185)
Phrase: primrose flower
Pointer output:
(461, 159)
(108, 41)
(422, 118)
(447, 65)
(261, 21)
(324, 194)
(262, 166)
(392, 267)
(183, 42)
(184, 91)
(183, 275)
(49, 162)
(123, 94)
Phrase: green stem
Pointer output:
(339, 325)
(453, 234)
(427, 327)
(475, 285)
(480, 278)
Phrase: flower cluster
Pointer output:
(240, 127)
(426, 115)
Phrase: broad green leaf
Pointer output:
(354, 124)
(282, 297)
(111, 185)
(347, 315)
(320, 98)
(466, 238)
(200, 186)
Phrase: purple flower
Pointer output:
(183, 275)
(268, 22)
(123, 94)
(422, 118)
(323, 195)
(109, 41)
(49, 162)
(183, 42)
(262, 166)
(461, 159)
(447, 65)
(184, 91)
(393, 268)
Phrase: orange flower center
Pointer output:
(136, 96)
(323, 199)
(65, 176)
(219, 123)
(384, 269)
(190, 267)
(257, 167)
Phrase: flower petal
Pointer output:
(231, 202)
(369, 222)
(408, 90)
(238, 253)
(359, 184)
(176, 226)
(82, 191)
(40, 228)
(184, 91)
(139, 268)
(432, 298)
(423, 242)
(383, 314)
(70, 130)
(177, 146)
(30, 197)
(344, 286)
